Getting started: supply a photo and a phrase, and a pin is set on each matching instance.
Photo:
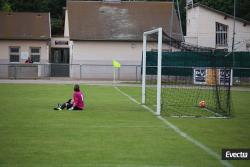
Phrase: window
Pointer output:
(35, 54)
(221, 34)
(14, 54)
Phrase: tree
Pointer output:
(5, 6)
(244, 6)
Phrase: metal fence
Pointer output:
(241, 76)
(72, 71)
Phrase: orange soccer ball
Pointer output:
(202, 104)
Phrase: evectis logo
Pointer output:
(230, 154)
(235, 154)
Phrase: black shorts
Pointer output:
(69, 105)
(76, 108)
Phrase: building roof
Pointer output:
(24, 25)
(220, 12)
(122, 21)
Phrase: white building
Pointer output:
(208, 27)
(102, 31)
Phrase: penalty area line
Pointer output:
(181, 133)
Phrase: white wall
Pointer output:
(192, 26)
(96, 58)
(98, 52)
(129, 53)
(24, 47)
(201, 29)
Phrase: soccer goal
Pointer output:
(185, 82)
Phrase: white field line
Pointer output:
(217, 114)
(181, 133)
(199, 117)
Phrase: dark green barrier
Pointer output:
(198, 59)
(241, 72)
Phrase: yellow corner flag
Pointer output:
(116, 64)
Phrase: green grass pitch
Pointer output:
(113, 131)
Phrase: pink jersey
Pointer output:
(78, 99)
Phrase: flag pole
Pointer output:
(114, 74)
(116, 65)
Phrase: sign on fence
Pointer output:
(211, 76)
(226, 76)
(199, 76)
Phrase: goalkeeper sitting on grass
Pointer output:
(76, 104)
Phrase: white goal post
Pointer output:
(159, 62)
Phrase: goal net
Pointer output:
(187, 82)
